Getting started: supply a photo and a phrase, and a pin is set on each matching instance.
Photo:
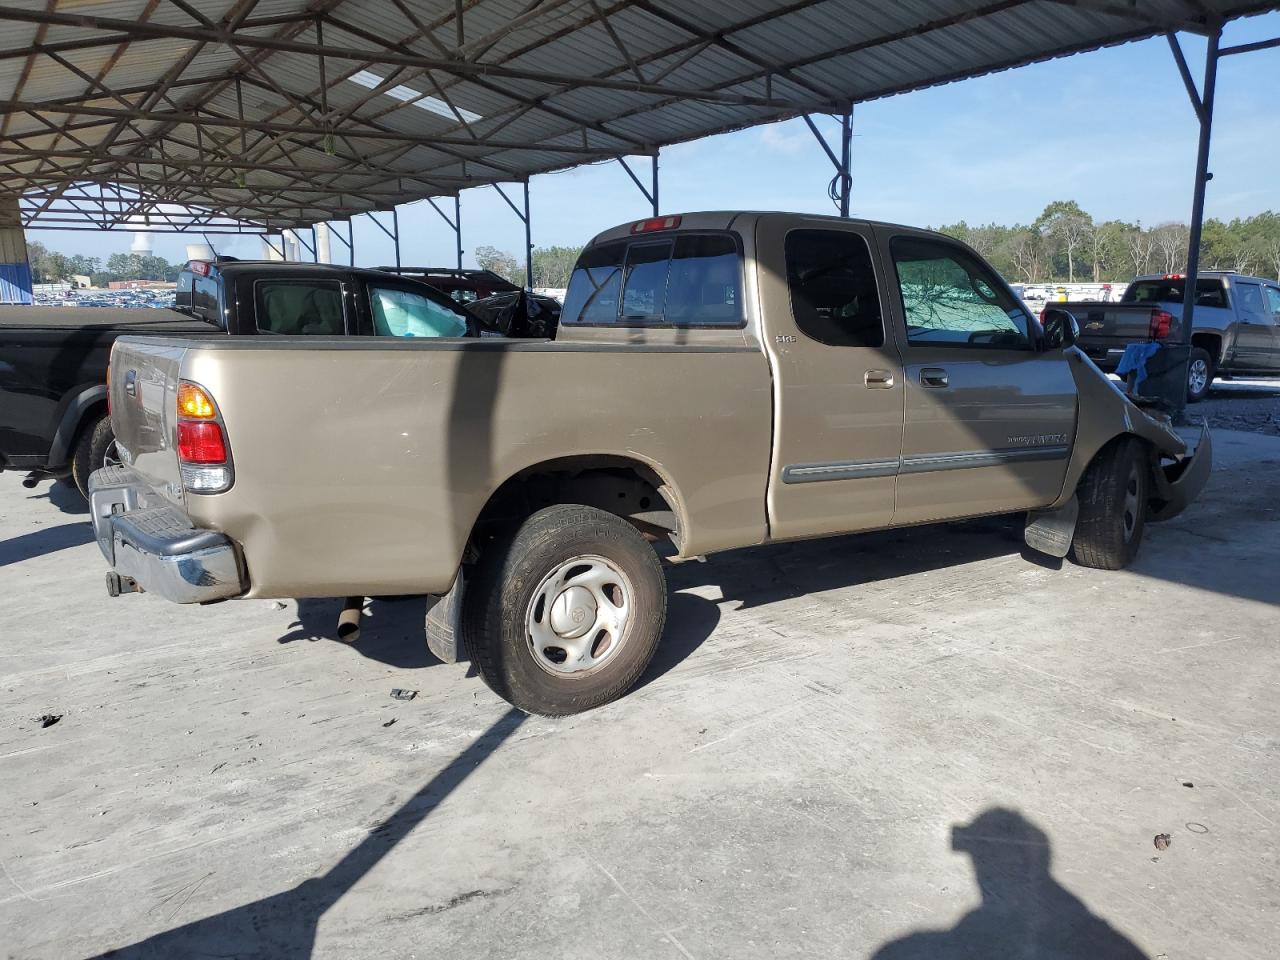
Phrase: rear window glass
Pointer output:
(644, 294)
(693, 279)
(593, 291)
(705, 285)
(1209, 293)
(301, 308)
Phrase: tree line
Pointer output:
(1066, 243)
(49, 266)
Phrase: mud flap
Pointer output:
(1178, 484)
(1051, 531)
(444, 621)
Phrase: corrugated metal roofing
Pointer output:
(113, 110)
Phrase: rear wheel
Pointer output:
(1113, 504)
(95, 448)
(565, 614)
(1199, 374)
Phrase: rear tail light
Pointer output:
(201, 442)
(1161, 324)
(203, 456)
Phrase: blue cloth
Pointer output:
(1135, 360)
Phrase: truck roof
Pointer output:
(1203, 275)
(231, 267)
(726, 220)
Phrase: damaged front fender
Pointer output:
(1177, 484)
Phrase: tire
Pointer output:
(1113, 506)
(1200, 374)
(94, 444)
(531, 590)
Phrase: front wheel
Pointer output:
(565, 614)
(1113, 497)
(1199, 374)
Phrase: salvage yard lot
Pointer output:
(229, 781)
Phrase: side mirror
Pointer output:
(1060, 328)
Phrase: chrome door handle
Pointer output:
(878, 379)
(933, 377)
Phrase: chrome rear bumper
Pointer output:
(151, 543)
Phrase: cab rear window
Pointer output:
(691, 279)
(1209, 293)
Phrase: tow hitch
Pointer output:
(117, 585)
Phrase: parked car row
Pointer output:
(716, 380)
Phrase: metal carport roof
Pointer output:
(267, 114)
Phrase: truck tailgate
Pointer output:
(1114, 324)
(143, 389)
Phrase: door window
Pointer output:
(949, 298)
(1249, 301)
(834, 298)
(301, 307)
(1273, 301)
(404, 313)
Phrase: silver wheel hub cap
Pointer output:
(1198, 375)
(578, 615)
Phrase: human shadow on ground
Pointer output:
(39, 543)
(283, 926)
(1025, 912)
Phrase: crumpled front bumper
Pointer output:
(1179, 483)
(151, 543)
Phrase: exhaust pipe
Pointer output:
(116, 585)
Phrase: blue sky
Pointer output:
(1111, 129)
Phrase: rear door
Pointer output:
(1271, 300)
(989, 418)
(1256, 332)
(837, 378)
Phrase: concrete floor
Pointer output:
(914, 744)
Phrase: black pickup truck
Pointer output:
(53, 360)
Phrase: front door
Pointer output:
(837, 380)
(990, 418)
(1256, 332)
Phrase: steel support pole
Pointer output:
(457, 226)
(528, 241)
(1203, 176)
(1170, 383)
(395, 227)
(654, 194)
(846, 178)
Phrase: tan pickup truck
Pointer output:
(718, 379)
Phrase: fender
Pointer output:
(1103, 413)
(60, 450)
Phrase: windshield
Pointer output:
(1209, 293)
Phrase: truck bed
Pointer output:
(139, 320)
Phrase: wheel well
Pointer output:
(626, 488)
(1210, 343)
